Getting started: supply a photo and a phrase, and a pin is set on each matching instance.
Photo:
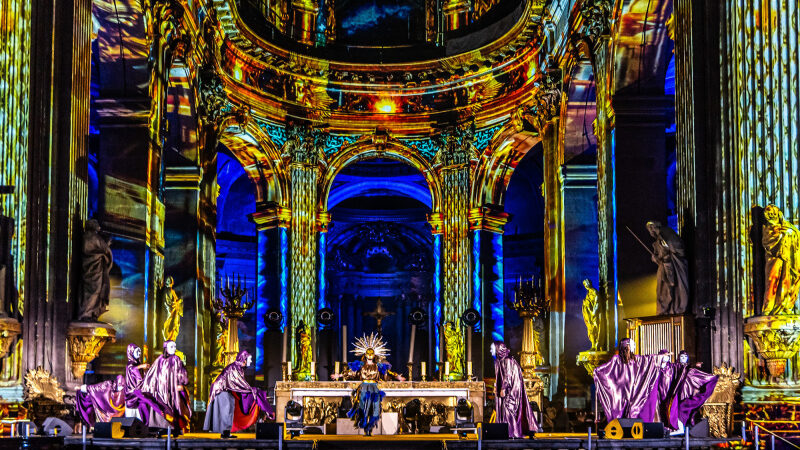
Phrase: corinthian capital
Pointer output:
(456, 148)
(303, 144)
(547, 99)
(596, 18)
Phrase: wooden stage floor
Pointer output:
(395, 442)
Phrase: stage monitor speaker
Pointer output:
(268, 430)
(653, 430)
(700, 429)
(132, 427)
(625, 429)
(495, 431)
(53, 426)
(108, 430)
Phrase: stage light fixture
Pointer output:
(385, 106)
(293, 414)
(411, 413)
(325, 317)
(471, 317)
(273, 319)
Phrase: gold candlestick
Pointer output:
(410, 371)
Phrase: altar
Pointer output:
(322, 399)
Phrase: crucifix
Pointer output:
(379, 314)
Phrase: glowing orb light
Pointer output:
(385, 106)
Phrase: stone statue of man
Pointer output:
(97, 260)
(672, 292)
(781, 241)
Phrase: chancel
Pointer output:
(350, 220)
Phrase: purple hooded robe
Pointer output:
(688, 388)
(101, 402)
(133, 378)
(513, 408)
(163, 391)
(629, 390)
(232, 380)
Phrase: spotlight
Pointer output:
(385, 106)
(464, 417)
(411, 412)
(293, 414)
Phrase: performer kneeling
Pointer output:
(687, 389)
(163, 393)
(511, 400)
(627, 386)
(369, 369)
(233, 405)
(101, 402)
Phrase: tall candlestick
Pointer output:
(289, 370)
(442, 356)
(344, 344)
(469, 344)
(411, 344)
(285, 341)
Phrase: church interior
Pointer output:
(449, 203)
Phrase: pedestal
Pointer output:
(85, 340)
(10, 328)
(774, 338)
(590, 360)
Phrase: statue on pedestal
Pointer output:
(174, 306)
(454, 344)
(591, 314)
(97, 261)
(302, 360)
(672, 293)
(781, 240)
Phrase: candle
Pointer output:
(289, 369)
(313, 369)
(285, 341)
(447, 368)
(336, 367)
(344, 344)
(441, 343)
(423, 368)
(469, 369)
(411, 345)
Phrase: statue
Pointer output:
(174, 306)
(164, 392)
(591, 314)
(221, 339)
(370, 368)
(511, 400)
(781, 240)
(454, 344)
(627, 386)
(302, 366)
(97, 260)
(234, 405)
(672, 293)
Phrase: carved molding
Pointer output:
(85, 340)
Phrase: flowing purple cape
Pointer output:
(160, 390)
(232, 380)
(514, 408)
(629, 390)
(689, 388)
(101, 401)
(133, 378)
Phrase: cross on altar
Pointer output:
(379, 314)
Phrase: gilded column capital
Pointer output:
(303, 145)
(323, 221)
(271, 215)
(455, 148)
(547, 99)
(488, 219)
(596, 15)
(436, 220)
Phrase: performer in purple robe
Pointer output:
(163, 392)
(239, 408)
(511, 400)
(133, 382)
(628, 385)
(101, 402)
(688, 389)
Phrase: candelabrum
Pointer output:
(533, 307)
(234, 300)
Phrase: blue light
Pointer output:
(146, 289)
(284, 277)
(613, 197)
(476, 274)
(498, 318)
(323, 301)
(263, 293)
(437, 290)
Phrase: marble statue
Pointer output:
(174, 306)
(591, 314)
(511, 400)
(781, 241)
(97, 260)
(221, 339)
(672, 292)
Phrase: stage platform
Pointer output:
(395, 442)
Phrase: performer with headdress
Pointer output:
(628, 385)
(687, 388)
(233, 405)
(369, 369)
(133, 381)
(511, 400)
(163, 392)
(101, 402)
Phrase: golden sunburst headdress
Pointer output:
(372, 342)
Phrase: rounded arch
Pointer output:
(259, 157)
(391, 149)
(497, 163)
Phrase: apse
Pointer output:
(381, 22)
(380, 247)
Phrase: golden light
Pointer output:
(385, 106)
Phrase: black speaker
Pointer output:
(471, 317)
(108, 430)
(268, 430)
(653, 430)
(699, 430)
(273, 319)
(625, 429)
(495, 431)
(132, 427)
(325, 317)
(417, 316)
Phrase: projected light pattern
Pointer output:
(263, 296)
(323, 301)
(437, 290)
(284, 276)
(476, 275)
(497, 307)
(613, 197)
